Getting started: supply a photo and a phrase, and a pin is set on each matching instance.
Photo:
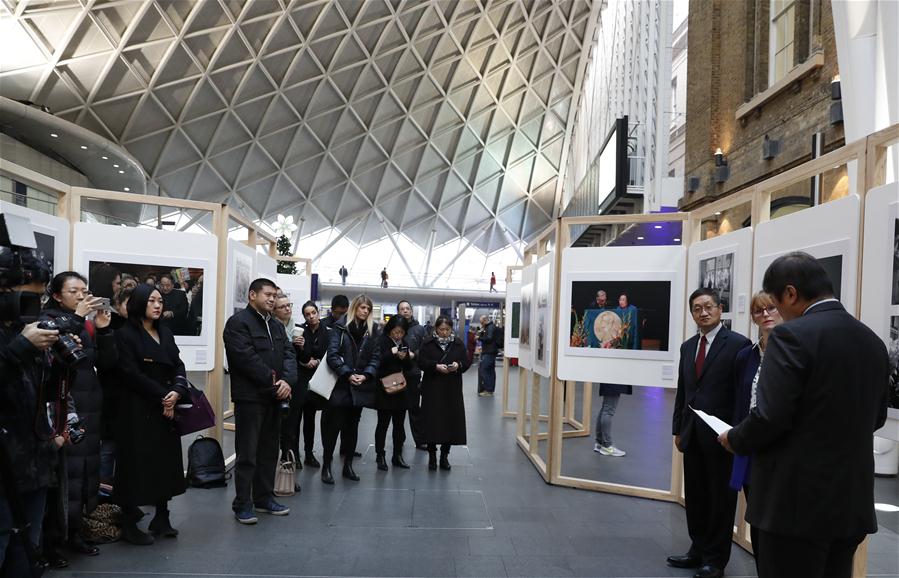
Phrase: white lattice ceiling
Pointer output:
(436, 119)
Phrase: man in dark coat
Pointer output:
(414, 338)
(339, 306)
(821, 395)
(175, 307)
(263, 369)
(487, 365)
(706, 382)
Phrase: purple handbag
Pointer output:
(194, 414)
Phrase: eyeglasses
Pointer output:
(770, 310)
(697, 310)
(285, 306)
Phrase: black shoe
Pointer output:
(311, 461)
(685, 561)
(444, 462)
(77, 544)
(160, 526)
(709, 571)
(348, 472)
(382, 462)
(357, 455)
(432, 461)
(132, 535)
(327, 478)
(399, 462)
(54, 559)
(296, 488)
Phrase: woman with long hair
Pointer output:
(443, 359)
(353, 354)
(396, 359)
(149, 467)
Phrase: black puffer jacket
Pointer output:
(256, 347)
(346, 357)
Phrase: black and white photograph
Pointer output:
(516, 319)
(46, 244)
(895, 291)
(620, 315)
(243, 273)
(542, 314)
(527, 292)
(834, 267)
(893, 347)
(718, 273)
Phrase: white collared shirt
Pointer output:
(709, 337)
(815, 304)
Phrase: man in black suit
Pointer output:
(822, 393)
(706, 382)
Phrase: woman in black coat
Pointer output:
(69, 299)
(353, 354)
(443, 359)
(309, 356)
(396, 358)
(149, 468)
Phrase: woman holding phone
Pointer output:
(396, 362)
(443, 359)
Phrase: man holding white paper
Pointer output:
(706, 383)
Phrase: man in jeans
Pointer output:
(611, 393)
(263, 370)
(487, 365)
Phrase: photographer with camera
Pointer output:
(263, 368)
(69, 307)
(27, 441)
(149, 467)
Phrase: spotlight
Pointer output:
(54, 135)
(84, 148)
(127, 189)
(121, 172)
(658, 226)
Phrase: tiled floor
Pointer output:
(492, 515)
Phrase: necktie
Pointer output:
(700, 357)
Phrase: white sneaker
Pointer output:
(611, 451)
(597, 448)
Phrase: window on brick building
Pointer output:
(782, 38)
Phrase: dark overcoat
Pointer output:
(442, 404)
(346, 357)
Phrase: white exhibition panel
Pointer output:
(880, 278)
(525, 341)
(298, 288)
(542, 316)
(48, 225)
(266, 266)
(621, 264)
(828, 230)
(513, 295)
(738, 244)
(108, 243)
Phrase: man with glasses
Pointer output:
(706, 382)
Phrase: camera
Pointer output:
(75, 429)
(20, 264)
(66, 348)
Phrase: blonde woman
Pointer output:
(353, 353)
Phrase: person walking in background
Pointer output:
(487, 364)
(706, 382)
(492, 282)
(353, 354)
(312, 351)
(443, 360)
(343, 275)
(384, 277)
(397, 360)
(263, 369)
(415, 335)
(821, 394)
(149, 466)
(611, 394)
(747, 367)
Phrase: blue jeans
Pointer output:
(12, 551)
(487, 372)
(604, 419)
(107, 461)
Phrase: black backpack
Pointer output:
(206, 464)
(499, 336)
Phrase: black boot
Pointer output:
(432, 460)
(77, 544)
(160, 524)
(130, 532)
(444, 460)
(348, 472)
(311, 461)
(398, 460)
(382, 462)
(326, 472)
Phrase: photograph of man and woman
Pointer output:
(631, 315)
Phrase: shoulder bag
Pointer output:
(393, 383)
(286, 475)
(194, 414)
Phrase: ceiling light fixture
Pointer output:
(658, 226)
(717, 213)
(127, 189)
(54, 135)
(639, 238)
(105, 158)
(677, 240)
(115, 166)
(121, 172)
(84, 148)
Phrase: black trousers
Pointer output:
(711, 504)
(257, 428)
(753, 532)
(340, 422)
(302, 413)
(385, 416)
(782, 556)
(415, 425)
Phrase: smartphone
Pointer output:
(403, 348)
(101, 304)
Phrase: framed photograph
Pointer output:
(717, 273)
(834, 267)
(527, 294)
(184, 299)
(620, 315)
(542, 317)
(895, 286)
(243, 276)
(893, 348)
(516, 319)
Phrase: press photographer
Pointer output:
(27, 440)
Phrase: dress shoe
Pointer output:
(382, 462)
(327, 478)
(709, 571)
(311, 461)
(357, 455)
(77, 544)
(54, 559)
(133, 535)
(161, 526)
(348, 472)
(399, 462)
(685, 561)
(432, 461)
(296, 488)
(444, 462)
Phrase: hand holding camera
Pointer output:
(42, 339)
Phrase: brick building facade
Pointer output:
(758, 69)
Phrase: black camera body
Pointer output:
(66, 349)
(75, 430)
(20, 264)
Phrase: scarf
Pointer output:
(357, 330)
(444, 342)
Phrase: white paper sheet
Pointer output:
(718, 425)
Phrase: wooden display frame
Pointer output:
(506, 411)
